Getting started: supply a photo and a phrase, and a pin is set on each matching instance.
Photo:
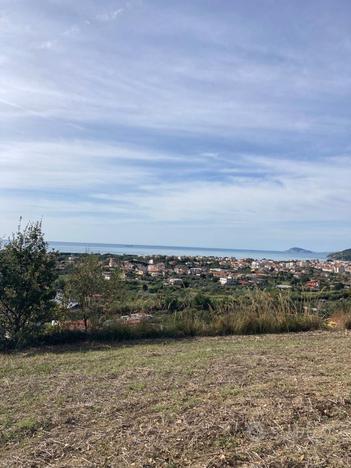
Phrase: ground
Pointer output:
(273, 400)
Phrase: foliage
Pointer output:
(254, 313)
(202, 302)
(343, 255)
(27, 276)
(86, 286)
(116, 294)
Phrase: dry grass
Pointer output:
(340, 320)
(273, 400)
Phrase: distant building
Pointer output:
(195, 271)
(312, 285)
(157, 268)
(339, 269)
(175, 281)
(227, 281)
(112, 263)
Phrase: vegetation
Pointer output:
(86, 285)
(205, 401)
(256, 312)
(97, 301)
(343, 255)
(27, 276)
(281, 400)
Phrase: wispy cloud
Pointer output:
(110, 15)
(178, 116)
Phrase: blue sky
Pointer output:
(210, 123)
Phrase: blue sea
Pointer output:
(117, 249)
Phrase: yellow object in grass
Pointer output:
(331, 324)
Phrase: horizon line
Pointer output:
(186, 247)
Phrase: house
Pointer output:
(112, 262)
(312, 285)
(156, 269)
(175, 281)
(195, 271)
(181, 270)
(216, 272)
(226, 281)
(339, 268)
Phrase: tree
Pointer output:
(115, 292)
(27, 277)
(87, 285)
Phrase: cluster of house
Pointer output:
(229, 271)
(311, 272)
(311, 275)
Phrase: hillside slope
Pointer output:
(281, 400)
(343, 255)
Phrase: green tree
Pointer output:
(116, 294)
(27, 284)
(87, 286)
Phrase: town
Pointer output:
(224, 272)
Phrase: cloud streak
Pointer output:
(184, 120)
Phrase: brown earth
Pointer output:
(273, 400)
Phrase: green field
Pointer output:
(270, 400)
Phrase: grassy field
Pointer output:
(271, 400)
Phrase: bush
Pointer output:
(27, 277)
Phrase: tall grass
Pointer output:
(256, 312)
(253, 313)
(340, 318)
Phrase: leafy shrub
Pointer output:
(27, 277)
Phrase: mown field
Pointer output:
(270, 400)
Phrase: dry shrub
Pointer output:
(340, 320)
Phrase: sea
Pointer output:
(144, 250)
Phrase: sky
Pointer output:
(205, 123)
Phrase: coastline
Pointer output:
(145, 250)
